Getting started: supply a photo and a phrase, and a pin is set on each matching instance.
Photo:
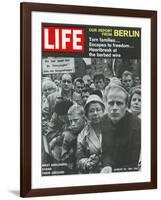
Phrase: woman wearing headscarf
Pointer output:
(89, 141)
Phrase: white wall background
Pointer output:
(9, 99)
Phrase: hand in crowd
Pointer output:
(92, 161)
(107, 169)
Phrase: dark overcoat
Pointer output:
(121, 142)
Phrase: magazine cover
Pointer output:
(88, 99)
(91, 99)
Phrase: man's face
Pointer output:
(77, 98)
(85, 96)
(57, 82)
(99, 84)
(127, 82)
(137, 80)
(87, 80)
(66, 82)
(116, 105)
(79, 87)
(76, 122)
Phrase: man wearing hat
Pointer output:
(121, 133)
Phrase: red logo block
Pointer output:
(62, 39)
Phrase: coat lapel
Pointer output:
(94, 142)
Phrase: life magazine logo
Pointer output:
(62, 39)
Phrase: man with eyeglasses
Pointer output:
(66, 86)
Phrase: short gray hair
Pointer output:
(127, 73)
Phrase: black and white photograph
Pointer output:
(91, 106)
(88, 94)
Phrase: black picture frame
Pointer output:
(26, 108)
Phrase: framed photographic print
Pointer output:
(88, 99)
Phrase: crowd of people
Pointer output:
(92, 125)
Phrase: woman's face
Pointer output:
(95, 112)
(135, 105)
(48, 89)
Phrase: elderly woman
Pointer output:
(89, 140)
(135, 101)
(48, 87)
